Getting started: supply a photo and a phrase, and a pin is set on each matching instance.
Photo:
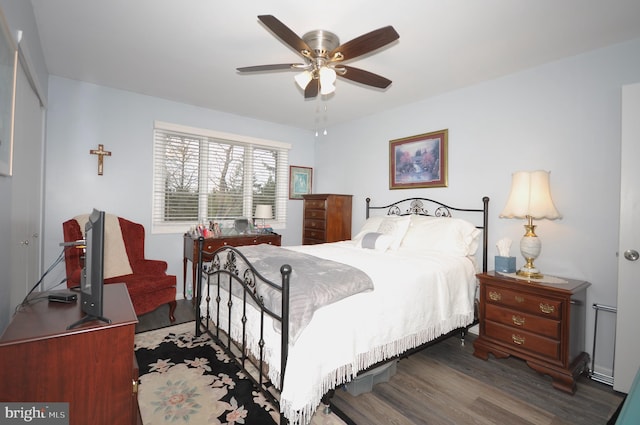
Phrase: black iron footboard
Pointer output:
(228, 269)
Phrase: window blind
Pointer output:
(201, 175)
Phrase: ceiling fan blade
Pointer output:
(284, 33)
(312, 88)
(366, 43)
(364, 77)
(273, 67)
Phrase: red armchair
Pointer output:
(149, 286)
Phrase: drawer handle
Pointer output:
(495, 296)
(313, 224)
(517, 320)
(519, 299)
(546, 308)
(517, 339)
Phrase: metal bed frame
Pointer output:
(228, 266)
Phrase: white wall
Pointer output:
(563, 117)
(83, 115)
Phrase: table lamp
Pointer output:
(263, 212)
(530, 198)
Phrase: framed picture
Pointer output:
(418, 161)
(299, 181)
(8, 63)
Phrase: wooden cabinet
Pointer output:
(91, 367)
(190, 252)
(541, 323)
(327, 218)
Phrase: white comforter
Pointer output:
(416, 299)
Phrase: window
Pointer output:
(202, 175)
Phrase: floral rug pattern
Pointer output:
(186, 379)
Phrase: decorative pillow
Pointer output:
(396, 227)
(391, 225)
(377, 241)
(369, 226)
(446, 234)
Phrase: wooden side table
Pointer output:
(543, 324)
(91, 367)
(212, 244)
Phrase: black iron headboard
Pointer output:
(430, 207)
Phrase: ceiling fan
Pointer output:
(324, 56)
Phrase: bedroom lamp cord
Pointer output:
(26, 299)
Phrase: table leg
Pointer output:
(184, 278)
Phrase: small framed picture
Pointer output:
(300, 179)
(418, 161)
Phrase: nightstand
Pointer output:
(541, 323)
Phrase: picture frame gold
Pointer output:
(419, 161)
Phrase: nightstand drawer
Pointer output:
(519, 320)
(523, 301)
(523, 340)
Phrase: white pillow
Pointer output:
(369, 226)
(396, 227)
(391, 225)
(445, 234)
(376, 241)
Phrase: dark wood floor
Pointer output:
(159, 318)
(445, 385)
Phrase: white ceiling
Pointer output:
(188, 50)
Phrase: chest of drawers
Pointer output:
(541, 323)
(327, 218)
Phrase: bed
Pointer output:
(299, 330)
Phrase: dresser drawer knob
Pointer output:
(546, 308)
(519, 299)
(517, 339)
(517, 320)
(495, 296)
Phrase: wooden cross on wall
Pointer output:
(101, 154)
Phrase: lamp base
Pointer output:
(530, 274)
(530, 248)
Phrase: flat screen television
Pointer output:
(92, 277)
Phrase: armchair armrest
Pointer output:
(149, 267)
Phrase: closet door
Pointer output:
(27, 190)
(627, 356)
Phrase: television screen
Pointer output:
(92, 278)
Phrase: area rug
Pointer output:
(186, 379)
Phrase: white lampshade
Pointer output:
(303, 78)
(263, 212)
(530, 197)
(327, 78)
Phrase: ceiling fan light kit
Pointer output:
(323, 56)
